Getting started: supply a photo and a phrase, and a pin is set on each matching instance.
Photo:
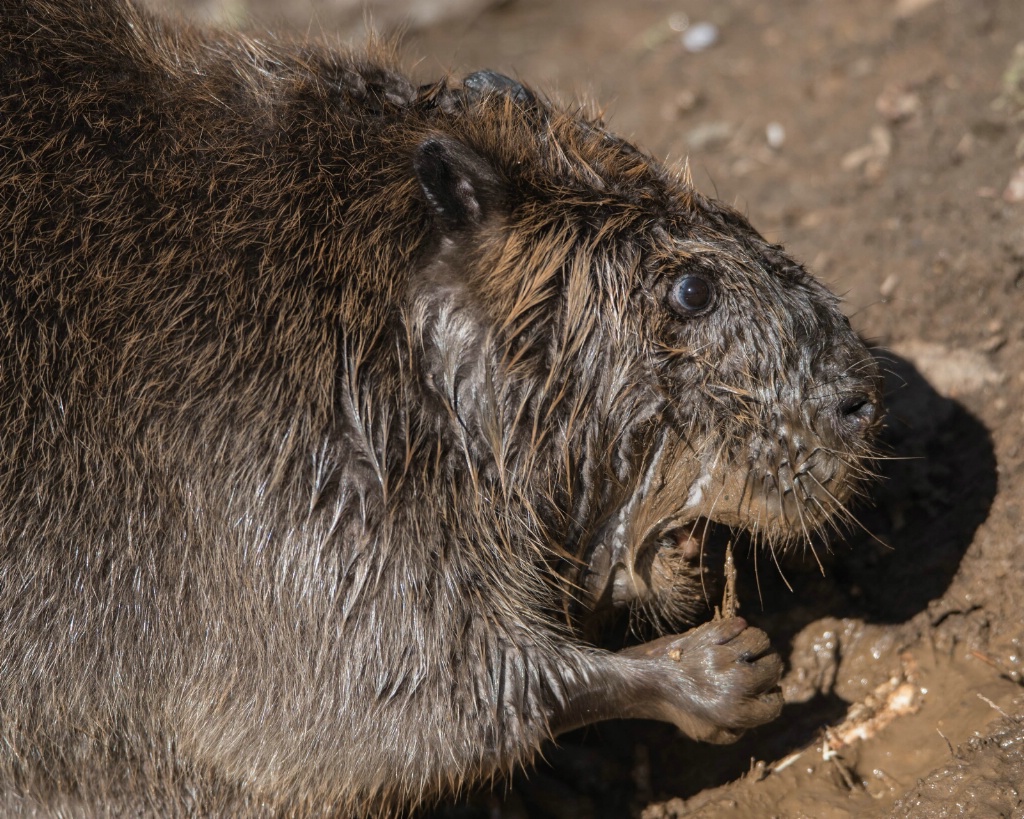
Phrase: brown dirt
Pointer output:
(903, 130)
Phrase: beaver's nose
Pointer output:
(859, 411)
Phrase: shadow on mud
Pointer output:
(938, 482)
(936, 491)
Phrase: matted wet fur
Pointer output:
(331, 407)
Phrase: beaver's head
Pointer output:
(622, 356)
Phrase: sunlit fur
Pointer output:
(298, 490)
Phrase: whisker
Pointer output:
(851, 519)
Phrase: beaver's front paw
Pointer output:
(715, 681)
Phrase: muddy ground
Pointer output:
(883, 143)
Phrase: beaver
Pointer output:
(331, 404)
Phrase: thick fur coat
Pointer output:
(330, 406)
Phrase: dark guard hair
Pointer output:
(331, 406)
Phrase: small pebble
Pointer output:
(965, 147)
(709, 135)
(875, 152)
(775, 134)
(881, 140)
(683, 102)
(678, 22)
(860, 68)
(888, 286)
(908, 8)
(1015, 189)
(897, 103)
(996, 337)
(700, 37)
(993, 343)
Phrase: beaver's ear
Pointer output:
(461, 187)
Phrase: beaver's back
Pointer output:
(185, 227)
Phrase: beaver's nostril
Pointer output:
(859, 410)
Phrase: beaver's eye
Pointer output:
(690, 294)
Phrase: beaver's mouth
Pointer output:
(688, 539)
(619, 573)
(648, 552)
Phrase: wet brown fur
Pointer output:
(299, 481)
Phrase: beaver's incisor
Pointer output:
(324, 398)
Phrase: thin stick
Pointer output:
(730, 603)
